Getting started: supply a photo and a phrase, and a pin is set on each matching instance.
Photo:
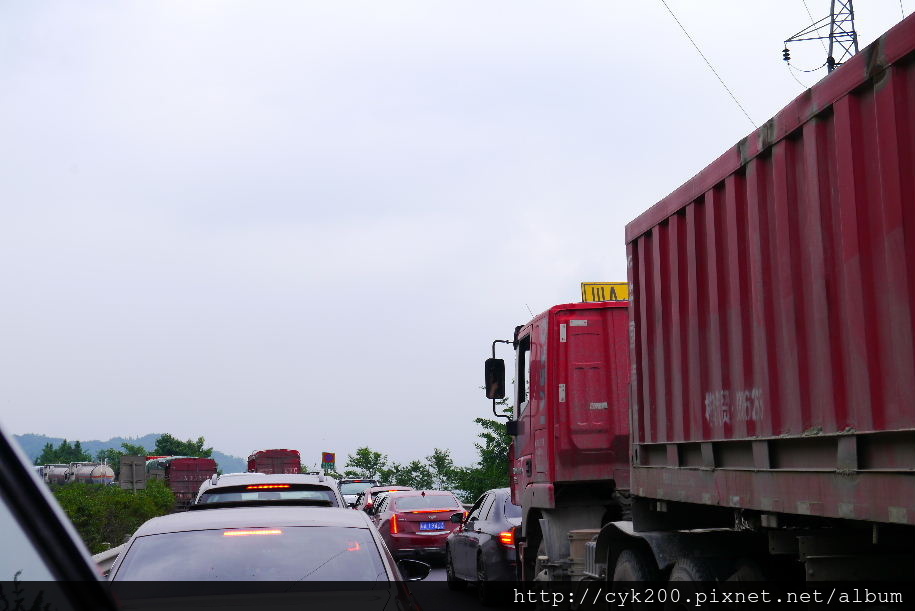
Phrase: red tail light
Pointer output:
(248, 533)
(394, 524)
(507, 538)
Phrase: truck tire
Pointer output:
(693, 569)
(453, 582)
(540, 571)
(635, 564)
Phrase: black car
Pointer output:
(483, 551)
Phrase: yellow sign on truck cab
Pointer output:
(604, 291)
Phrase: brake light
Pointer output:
(266, 486)
(368, 505)
(431, 510)
(247, 533)
(354, 546)
(394, 524)
(507, 538)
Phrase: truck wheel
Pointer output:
(635, 564)
(540, 571)
(453, 582)
(693, 569)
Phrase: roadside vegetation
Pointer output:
(438, 470)
(166, 445)
(105, 516)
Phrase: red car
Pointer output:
(416, 523)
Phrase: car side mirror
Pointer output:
(495, 378)
(413, 570)
(457, 518)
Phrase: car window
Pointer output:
(355, 487)
(275, 492)
(475, 510)
(512, 510)
(20, 559)
(430, 501)
(486, 509)
(300, 553)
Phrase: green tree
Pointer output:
(417, 475)
(133, 450)
(442, 468)
(63, 453)
(166, 445)
(492, 469)
(105, 516)
(391, 474)
(366, 463)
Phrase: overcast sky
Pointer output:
(301, 224)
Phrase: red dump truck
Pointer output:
(753, 415)
(275, 461)
(182, 474)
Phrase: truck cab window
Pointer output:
(523, 375)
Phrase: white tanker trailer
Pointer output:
(57, 474)
(92, 473)
(84, 472)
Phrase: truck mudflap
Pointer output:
(593, 568)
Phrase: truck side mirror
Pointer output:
(511, 427)
(495, 379)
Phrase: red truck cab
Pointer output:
(570, 421)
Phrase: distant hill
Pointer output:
(32, 444)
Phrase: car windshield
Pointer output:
(268, 492)
(430, 501)
(355, 487)
(313, 553)
(512, 510)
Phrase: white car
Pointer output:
(276, 488)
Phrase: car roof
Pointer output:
(270, 478)
(254, 517)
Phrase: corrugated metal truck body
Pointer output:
(773, 306)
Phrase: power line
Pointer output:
(813, 22)
(712, 68)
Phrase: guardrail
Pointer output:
(105, 559)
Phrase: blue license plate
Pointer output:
(432, 526)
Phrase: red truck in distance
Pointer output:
(275, 461)
(182, 474)
(751, 416)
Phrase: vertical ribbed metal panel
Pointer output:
(772, 294)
